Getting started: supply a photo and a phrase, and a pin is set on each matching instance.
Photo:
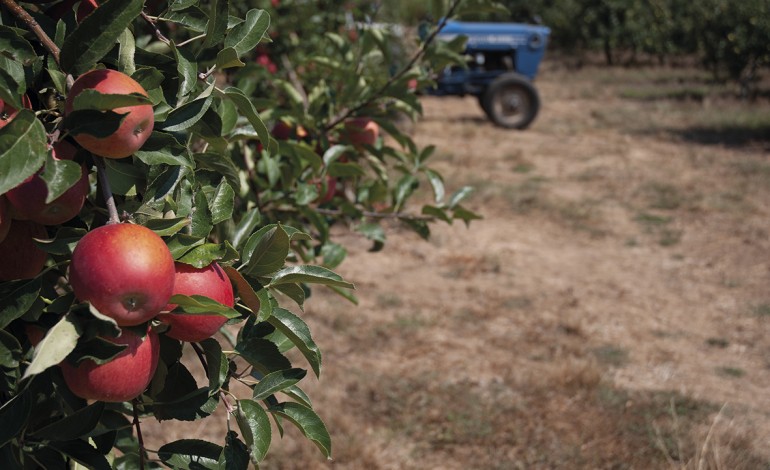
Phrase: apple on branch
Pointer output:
(27, 201)
(211, 282)
(124, 270)
(122, 378)
(136, 126)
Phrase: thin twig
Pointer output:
(155, 29)
(201, 356)
(33, 26)
(138, 434)
(421, 52)
(188, 41)
(104, 182)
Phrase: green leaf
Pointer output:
(305, 194)
(276, 381)
(266, 250)
(295, 292)
(16, 47)
(181, 399)
(12, 84)
(126, 53)
(262, 354)
(335, 152)
(333, 254)
(245, 36)
(308, 422)
(14, 415)
(345, 170)
(248, 222)
(64, 242)
(181, 243)
(459, 195)
(217, 365)
(16, 298)
(95, 100)
(217, 25)
(246, 108)
(162, 148)
(201, 305)
(310, 275)
(96, 35)
(124, 178)
(255, 428)
(185, 116)
(236, 452)
(82, 453)
(167, 227)
(294, 328)
(436, 212)
(203, 255)
(228, 58)
(192, 454)
(92, 122)
(437, 183)
(59, 176)
(465, 215)
(74, 426)
(60, 340)
(23, 149)
(10, 351)
(187, 70)
(221, 205)
(404, 188)
(201, 218)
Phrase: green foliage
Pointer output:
(729, 37)
(220, 182)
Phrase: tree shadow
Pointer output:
(728, 136)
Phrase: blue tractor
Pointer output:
(503, 62)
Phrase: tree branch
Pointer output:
(104, 182)
(33, 26)
(421, 52)
(155, 29)
(138, 434)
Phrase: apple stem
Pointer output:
(138, 434)
(104, 182)
(33, 26)
(420, 52)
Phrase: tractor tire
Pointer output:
(511, 101)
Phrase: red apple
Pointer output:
(85, 8)
(5, 218)
(124, 270)
(282, 130)
(27, 200)
(211, 282)
(361, 131)
(35, 333)
(20, 258)
(8, 112)
(137, 124)
(124, 377)
(331, 190)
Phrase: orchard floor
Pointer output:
(612, 310)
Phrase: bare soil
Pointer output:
(611, 310)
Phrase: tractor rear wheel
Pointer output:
(511, 101)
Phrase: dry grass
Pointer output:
(610, 312)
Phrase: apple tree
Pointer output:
(167, 185)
